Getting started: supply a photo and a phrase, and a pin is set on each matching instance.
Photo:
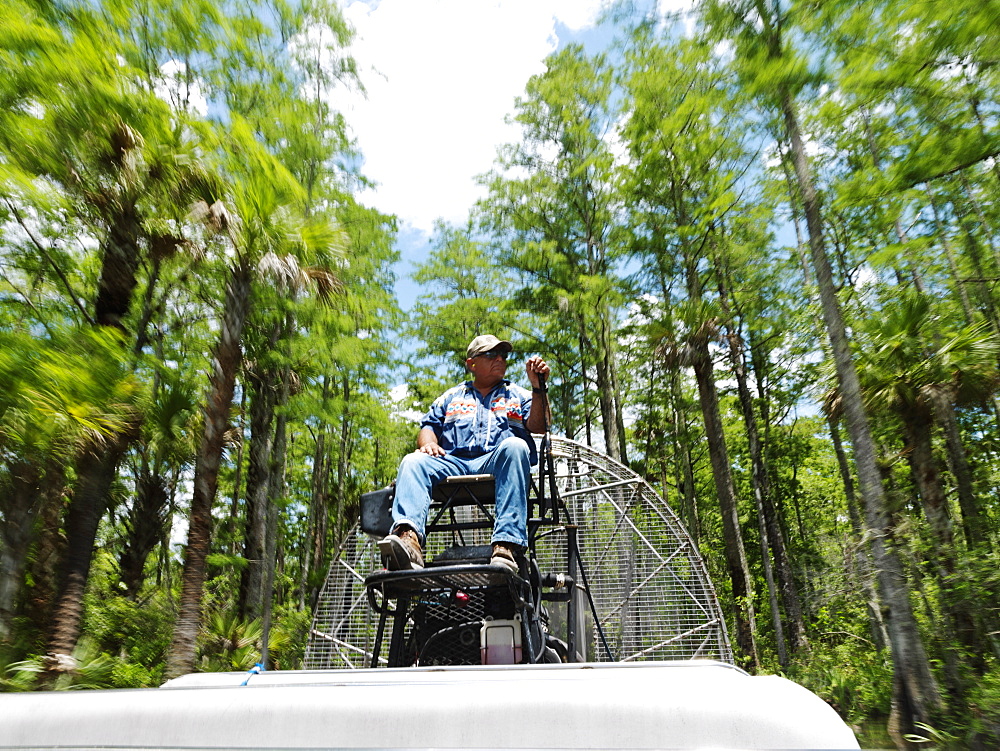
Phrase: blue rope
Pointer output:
(255, 670)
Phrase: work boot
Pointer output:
(401, 551)
(503, 555)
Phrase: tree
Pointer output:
(264, 224)
(682, 180)
(58, 394)
(775, 75)
(166, 447)
(463, 297)
(916, 378)
(107, 148)
(559, 220)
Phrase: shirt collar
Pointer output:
(505, 382)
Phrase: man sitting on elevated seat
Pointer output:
(482, 426)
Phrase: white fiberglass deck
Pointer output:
(685, 704)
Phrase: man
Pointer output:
(482, 426)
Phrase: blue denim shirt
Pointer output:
(468, 424)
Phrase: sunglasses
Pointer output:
(493, 354)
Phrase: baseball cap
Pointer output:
(485, 343)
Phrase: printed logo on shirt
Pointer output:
(509, 406)
(460, 408)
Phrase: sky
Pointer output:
(441, 76)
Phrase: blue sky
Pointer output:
(441, 77)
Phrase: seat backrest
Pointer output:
(376, 511)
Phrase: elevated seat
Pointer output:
(437, 612)
(452, 493)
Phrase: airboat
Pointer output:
(610, 635)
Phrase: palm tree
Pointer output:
(912, 368)
(138, 172)
(109, 146)
(268, 376)
(166, 447)
(265, 223)
(59, 394)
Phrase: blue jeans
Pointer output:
(510, 465)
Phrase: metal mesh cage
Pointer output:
(649, 586)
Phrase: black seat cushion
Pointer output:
(463, 554)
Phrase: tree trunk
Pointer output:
(49, 546)
(616, 393)
(924, 464)
(97, 464)
(346, 444)
(147, 522)
(120, 258)
(222, 382)
(973, 522)
(736, 559)
(584, 381)
(96, 470)
(916, 694)
(862, 561)
(145, 525)
(262, 405)
(20, 504)
(276, 495)
(232, 524)
(319, 516)
(682, 454)
(771, 535)
(954, 599)
(758, 481)
(613, 440)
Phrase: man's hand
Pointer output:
(432, 449)
(535, 367)
(427, 443)
(538, 417)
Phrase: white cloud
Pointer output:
(179, 92)
(403, 405)
(441, 77)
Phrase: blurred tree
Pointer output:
(775, 74)
(552, 208)
(464, 296)
(916, 378)
(682, 181)
(264, 227)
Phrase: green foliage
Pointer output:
(853, 677)
(911, 354)
(550, 214)
(62, 390)
(288, 637)
(18, 676)
(984, 707)
(465, 296)
(92, 669)
(229, 643)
